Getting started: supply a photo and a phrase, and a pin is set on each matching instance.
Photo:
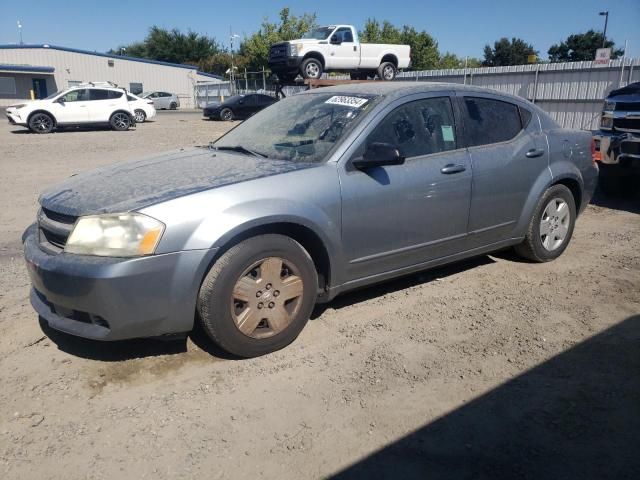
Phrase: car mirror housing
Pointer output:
(379, 154)
(335, 40)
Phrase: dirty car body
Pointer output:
(449, 193)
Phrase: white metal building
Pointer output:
(36, 71)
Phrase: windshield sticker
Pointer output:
(354, 102)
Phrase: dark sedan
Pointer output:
(238, 107)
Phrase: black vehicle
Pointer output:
(238, 107)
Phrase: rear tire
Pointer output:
(258, 295)
(140, 116)
(387, 71)
(41, 122)
(551, 226)
(226, 114)
(120, 121)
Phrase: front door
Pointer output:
(402, 215)
(508, 153)
(40, 88)
(72, 107)
(342, 54)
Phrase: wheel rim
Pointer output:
(140, 116)
(42, 122)
(554, 224)
(267, 297)
(226, 115)
(121, 121)
(387, 72)
(312, 70)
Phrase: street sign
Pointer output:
(603, 55)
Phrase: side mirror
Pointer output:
(335, 40)
(60, 100)
(379, 154)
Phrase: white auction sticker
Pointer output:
(355, 102)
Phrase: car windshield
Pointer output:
(301, 128)
(54, 95)
(319, 33)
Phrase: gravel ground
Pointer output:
(491, 368)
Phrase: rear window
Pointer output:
(490, 121)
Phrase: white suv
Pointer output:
(87, 104)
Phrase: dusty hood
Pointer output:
(131, 186)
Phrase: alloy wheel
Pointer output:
(267, 297)
(140, 116)
(121, 121)
(312, 70)
(554, 224)
(388, 72)
(42, 122)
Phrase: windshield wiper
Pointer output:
(240, 149)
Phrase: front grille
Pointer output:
(628, 106)
(278, 51)
(55, 229)
(626, 124)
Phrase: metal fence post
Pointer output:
(535, 85)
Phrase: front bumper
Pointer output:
(115, 298)
(15, 118)
(286, 64)
(616, 147)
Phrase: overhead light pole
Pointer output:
(20, 31)
(232, 36)
(604, 33)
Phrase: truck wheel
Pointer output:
(551, 226)
(387, 71)
(311, 68)
(258, 295)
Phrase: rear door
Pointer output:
(397, 216)
(508, 153)
(103, 103)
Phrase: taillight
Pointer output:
(596, 154)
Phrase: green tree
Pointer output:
(424, 49)
(255, 48)
(171, 46)
(508, 52)
(581, 46)
(451, 60)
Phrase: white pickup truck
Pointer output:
(336, 48)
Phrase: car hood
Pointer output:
(134, 185)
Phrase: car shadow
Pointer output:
(630, 202)
(575, 416)
(115, 351)
(402, 283)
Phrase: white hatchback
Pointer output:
(86, 104)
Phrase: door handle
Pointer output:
(451, 168)
(534, 152)
(355, 49)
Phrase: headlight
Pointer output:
(295, 49)
(606, 122)
(18, 106)
(117, 235)
(609, 106)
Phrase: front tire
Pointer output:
(41, 123)
(140, 116)
(120, 121)
(551, 226)
(258, 295)
(226, 115)
(173, 106)
(311, 69)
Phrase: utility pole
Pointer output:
(604, 34)
(231, 75)
(20, 31)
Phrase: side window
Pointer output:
(113, 94)
(418, 128)
(80, 95)
(490, 121)
(131, 99)
(344, 34)
(525, 117)
(98, 94)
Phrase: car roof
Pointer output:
(402, 88)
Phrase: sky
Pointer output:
(462, 27)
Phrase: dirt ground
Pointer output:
(491, 368)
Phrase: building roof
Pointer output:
(25, 69)
(108, 55)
